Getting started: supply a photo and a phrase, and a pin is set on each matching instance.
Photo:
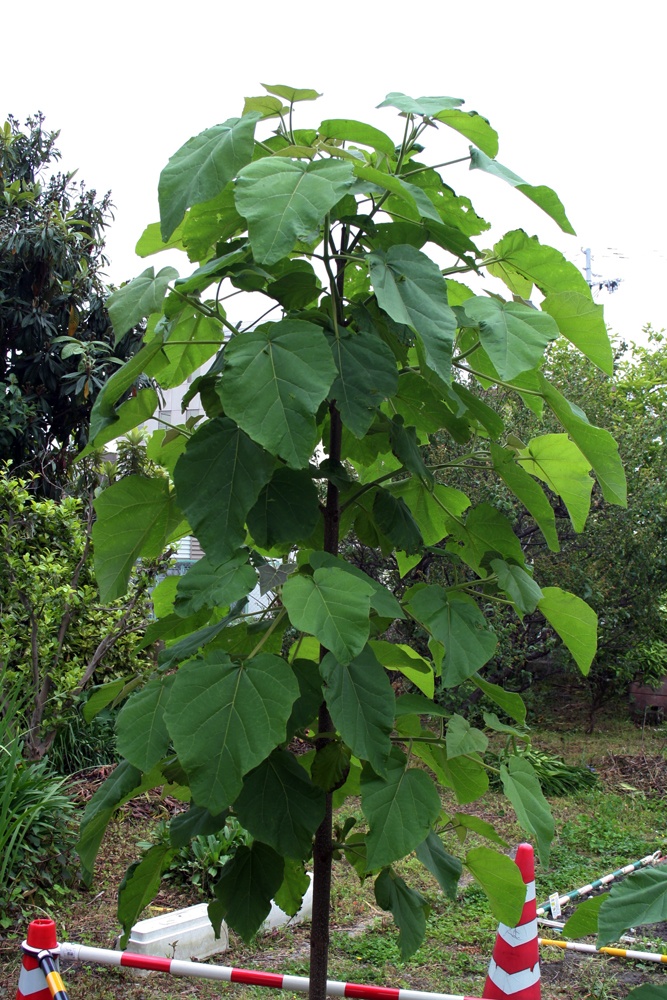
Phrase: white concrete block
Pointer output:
(187, 934)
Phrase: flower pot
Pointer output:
(649, 704)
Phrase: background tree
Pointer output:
(317, 425)
(618, 562)
(56, 343)
(57, 638)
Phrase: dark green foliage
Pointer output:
(56, 342)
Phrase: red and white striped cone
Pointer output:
(40, 978)
(514, 970)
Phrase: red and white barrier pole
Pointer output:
(297, 984)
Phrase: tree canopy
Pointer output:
(56, 342)
(319, 415)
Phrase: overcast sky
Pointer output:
(575, 91)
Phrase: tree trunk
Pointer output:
(322, 847)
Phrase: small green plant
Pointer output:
(200, 862)
(555, 776)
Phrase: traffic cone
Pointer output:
(514, 970)
(40, 978)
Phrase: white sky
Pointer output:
(575, 90)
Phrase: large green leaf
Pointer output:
(382, 599)
(332, 605)
(456, 622)
(224, 718)
(522, 261)
(466, 775)
(596, 443)
(103, 414)
(140, 886)
(408, 908)
(286, 200)
(218, 479)
(139, 298)
(510, 702)
(291, 94)
(367, 376)
(203, 167)
(426, 106)
(404, 659)
(559, 463)
(544, 197)
(411, 289)
(361, 701)
(296, 284)
(124, 782)
(462, 738)
(574, 621)
(246, 887)
(287, 510)
(192, 341)
(132, 413)
(514, 335)
(273, 383)
(445, 868)
(210, 223)
(406, 448)
(348, 130)
(394, 520)
(485, 530)
(501, 880)
(518, 585)
(532, 810)
(639, 899)
(196, 822)
(294, 887)
(421, 405)
(209, 585)
(151, 241)
(648, 991)
(582, 321)
(141, 733)
(584, 920)
(400, 810)
(135, 517)
(473, 127)
(527, 491)
(281, 806)
(433, 509)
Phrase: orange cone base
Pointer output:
(32, 981)
(514, 970)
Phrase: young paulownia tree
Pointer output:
(366, 343)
